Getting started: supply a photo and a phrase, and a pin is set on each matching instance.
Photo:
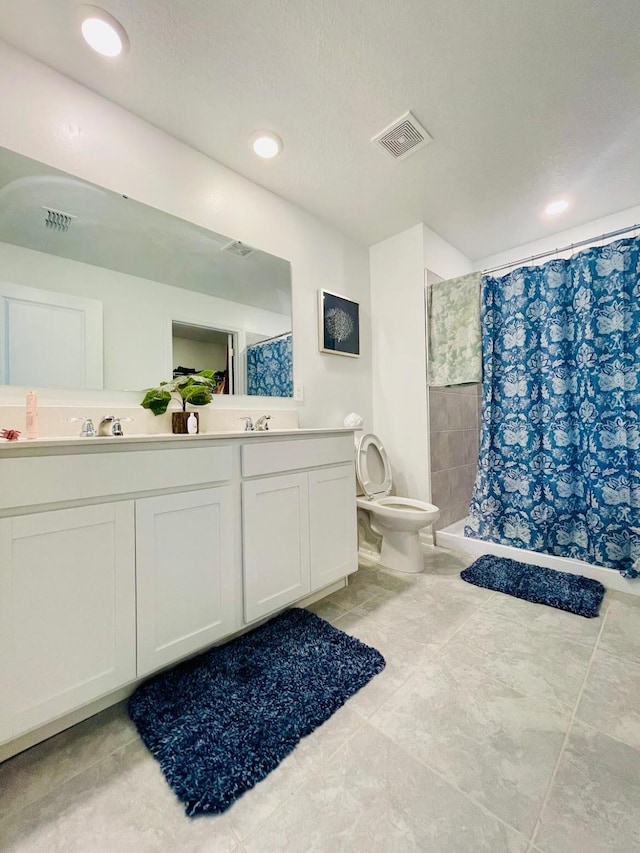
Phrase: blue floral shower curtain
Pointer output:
(559, 467)
(270, 367)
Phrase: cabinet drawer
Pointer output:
(51, 479)
(273, 457)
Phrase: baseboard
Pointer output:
(54, 727)
(321, 593)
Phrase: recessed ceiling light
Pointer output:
(556, 207)
(265, 143)
(102, 31)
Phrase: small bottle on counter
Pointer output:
(192, 424)
(32, 415)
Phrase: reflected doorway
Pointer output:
(196, 348)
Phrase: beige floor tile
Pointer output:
(593, 805)
(327, 610)
(254, 807)
(405, 653)
(426, 615)
(621, 633)
(521, 656)
(610, 700)
(552, 621)
(450, 583)
(120, 804)
(442, 561)
(396, 582)
(32, 774)
(353, 595)
(403, 656)
(493, 743)
(377, 798)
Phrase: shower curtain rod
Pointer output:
(572, 246)
(269, 340)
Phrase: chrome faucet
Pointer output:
(261, 424)
(111, 425)
(87, 430)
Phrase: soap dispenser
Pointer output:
(192, 424)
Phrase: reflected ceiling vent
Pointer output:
(57, 220)
(403, 137)
(235, 247)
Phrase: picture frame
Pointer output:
(338, 324)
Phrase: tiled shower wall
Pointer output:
(454, 433)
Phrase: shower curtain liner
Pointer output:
(559, 466)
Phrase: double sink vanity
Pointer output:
(120, 556)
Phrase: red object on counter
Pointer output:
(10, 434)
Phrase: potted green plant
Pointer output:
(196, 389)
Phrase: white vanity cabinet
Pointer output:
(299, 529)
(120, 557)
(184, 574)
(67, 611)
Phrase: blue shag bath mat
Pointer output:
(575, 593)
(221, 722)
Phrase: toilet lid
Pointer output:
(372, 466)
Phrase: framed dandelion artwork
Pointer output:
(338, 324)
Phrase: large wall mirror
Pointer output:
(100, 291)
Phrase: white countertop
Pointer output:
(80, 443)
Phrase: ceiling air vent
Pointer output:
(403, 137)
(57, 220)
(235, 247)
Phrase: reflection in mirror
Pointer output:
(99, 291)
(212, 349)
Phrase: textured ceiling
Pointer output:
(526, 101)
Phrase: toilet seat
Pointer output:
(372, 467)
(405, 510)
(403, 505)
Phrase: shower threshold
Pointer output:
(453, 538)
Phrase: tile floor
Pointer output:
(497, 725)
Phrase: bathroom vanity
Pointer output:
(121, 556)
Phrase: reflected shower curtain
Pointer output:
(559, 467)
(270, 367)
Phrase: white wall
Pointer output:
(589, 230)
(207, 354)
(442, 258)
(50, 118)
(137, 312)
(398, 332)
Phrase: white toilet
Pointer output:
(397, 520)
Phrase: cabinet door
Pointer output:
(185, 574)
(275, 535)
(333, 518)
(67, 610)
